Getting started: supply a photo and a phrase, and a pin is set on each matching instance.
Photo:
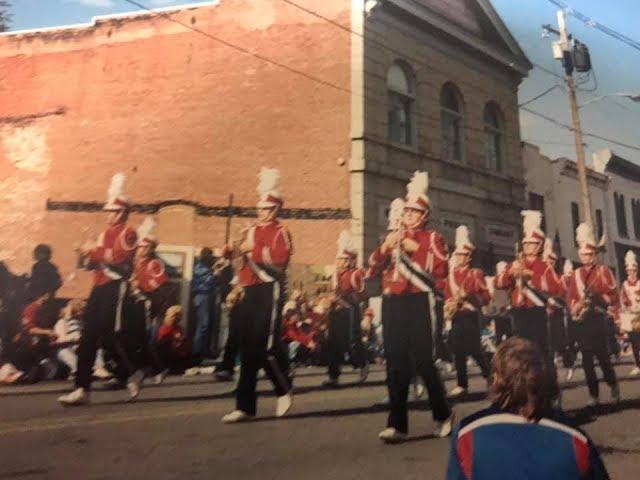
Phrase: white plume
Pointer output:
(419, 184)
(147, 228)
(395, 213)
(462, 236)
(344, 241)
(500, 267)
(531, 220)
(584, 234)
(117, 186)
(568, 267)
(630, 258)
(268, 180)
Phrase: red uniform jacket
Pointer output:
(112, 258)
(349, 284)
(150, 274)
(630, 295)
(271, 253)
(599, 279)
(429, 260)
(544, 279)
(473, 285)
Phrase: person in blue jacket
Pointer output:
(520, 436)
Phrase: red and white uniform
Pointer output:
(271, 248)
(630, 296)
(150, 274)
(114, 254)
(544, 279)
(599, 279)
(349, 284)
(471, 283)
(429, 259)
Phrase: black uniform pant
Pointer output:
(138, 332)
(408, 346)
(592, 338)
(634, 338)
(99, 330)
(465, 333)
(344, 337)
(258, 326)
(442, 349)
(531, 324)
(503, 328)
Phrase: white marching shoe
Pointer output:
(237, 416)
(391, 435)
(160, 377)
(593, 401)
(445, 427)
(457, 391)
(134, 383)
(418, 390)
(283, 404)
(635, 372)
(78, 397)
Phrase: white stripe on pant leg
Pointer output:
(121, 292)
(274, 313)
(279, 376)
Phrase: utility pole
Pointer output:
(565, 53)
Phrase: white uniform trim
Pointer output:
(510, 418)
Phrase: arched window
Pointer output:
(493, 128)
(401, 104)
(451, 121)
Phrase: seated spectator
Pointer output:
(298, 335)
(520, 435)
(30, 345)
(172, 343)
(370, 340)
(68, 331)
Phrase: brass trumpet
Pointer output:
(454, 305)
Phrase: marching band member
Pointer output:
(152, 295)
(500, 301)
(531, 282)
(630, 308)
(409, 261)
(465, 291)
(111, 260)
(265, 251)
(569, 356)
(592, 290)
(344, 317)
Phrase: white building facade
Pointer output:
(623, 199)
(553, 188)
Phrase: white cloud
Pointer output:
(96, 3)
(160, 3)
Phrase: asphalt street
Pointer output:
(173, 431)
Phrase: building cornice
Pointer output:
(424, 15)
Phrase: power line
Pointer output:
(295, 70)
(539, 96)
(590, 22)
(348, 90)
(586, 134)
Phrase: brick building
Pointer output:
(348, 105)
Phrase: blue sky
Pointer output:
(617, 66)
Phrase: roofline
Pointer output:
(495, 17)
(515, 60)
(112, 16)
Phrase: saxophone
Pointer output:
(454, 305)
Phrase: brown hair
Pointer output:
(524, 381)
